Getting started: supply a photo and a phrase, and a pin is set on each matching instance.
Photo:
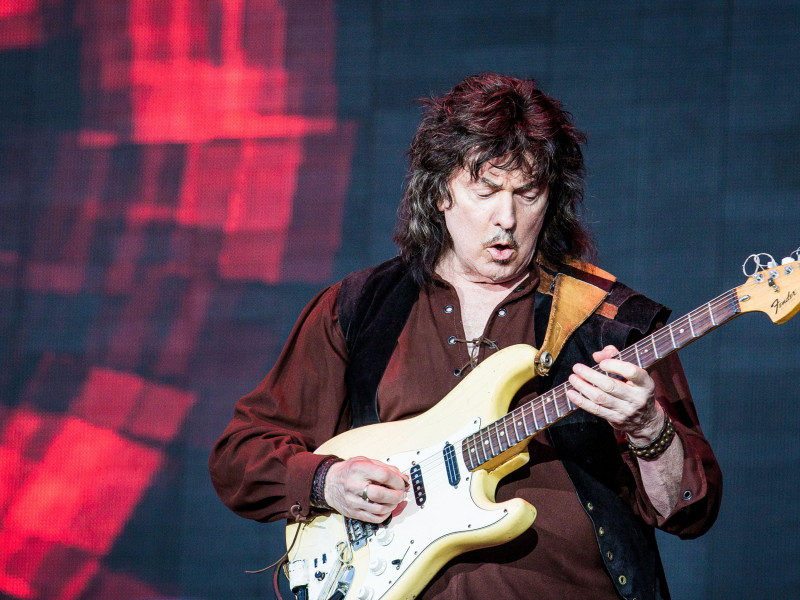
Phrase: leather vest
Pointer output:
(373, 307)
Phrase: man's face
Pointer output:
(494, 223)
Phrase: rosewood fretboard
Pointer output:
(539, 413)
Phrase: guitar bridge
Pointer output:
(358, 532)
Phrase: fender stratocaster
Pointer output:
(456, 453)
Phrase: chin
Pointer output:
(507, 272)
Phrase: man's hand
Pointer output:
(347, 483)
(626, 403)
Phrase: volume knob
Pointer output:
(384, 537)
(377, 566)
(364, 593)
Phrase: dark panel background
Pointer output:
(131, 323)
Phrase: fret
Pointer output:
(481, 449)
(501, 441)
(535, 421)
(655, 348)
(524, 422)
(546, 416)
(681, 330)
(492, 440)
(672, 337)
(488, 444)
(468, 451)
(509, 441)
(638, 360)
(664, 342)
(568, 408)
(711, 314)
(555, 403)
(543, 416)
(691, 327)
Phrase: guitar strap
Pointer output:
(574, 300)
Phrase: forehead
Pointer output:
(490, 172)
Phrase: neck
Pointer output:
(470, 283)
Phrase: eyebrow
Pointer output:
(496, 186)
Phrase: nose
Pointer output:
(505, 214)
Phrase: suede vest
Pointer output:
(373, 307)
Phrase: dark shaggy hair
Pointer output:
(491, 118)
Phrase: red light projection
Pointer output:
(71, 482)
(20, 24)
(209, 158)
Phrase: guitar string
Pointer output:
(702, 317)
(559, 392)
(696, 317)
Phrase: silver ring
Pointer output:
(364, 495)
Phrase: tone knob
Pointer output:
(384, 537)
(377, 566)
(364, 593)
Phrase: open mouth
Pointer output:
(502, 251)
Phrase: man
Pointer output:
(487, 224)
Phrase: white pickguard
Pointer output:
(392, 550)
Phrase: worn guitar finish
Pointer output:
(457, 452)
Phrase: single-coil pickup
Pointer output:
(418, 485)
(450, 463)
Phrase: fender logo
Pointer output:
(779, 304)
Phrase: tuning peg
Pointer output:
(772, 264)
(787, 260)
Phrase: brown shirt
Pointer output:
(262, 464)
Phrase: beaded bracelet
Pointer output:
(658, 445)
(318, 487)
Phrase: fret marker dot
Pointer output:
(680, 330)
(486, 442)
(502, 433)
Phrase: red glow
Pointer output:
(85, 471)
(20, 24)
(15, 8)
(64, 512)
(208, 151)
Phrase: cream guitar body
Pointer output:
(456, 453)
(449, 509)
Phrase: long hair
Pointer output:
(491, 118)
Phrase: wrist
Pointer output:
(657, 445)
(318, 486)
(651, 428)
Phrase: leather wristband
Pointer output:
(661, 442)
(318, 487)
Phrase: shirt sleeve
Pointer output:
(701, 481)
(264, 465)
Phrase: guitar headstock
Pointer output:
(771, 288)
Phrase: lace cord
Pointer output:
(473, 352)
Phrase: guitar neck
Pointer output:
(527, 420)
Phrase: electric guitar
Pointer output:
(457, 452)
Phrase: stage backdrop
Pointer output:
(178, 178)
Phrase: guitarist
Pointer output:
(488, 222)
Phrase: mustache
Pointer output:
(503, 237)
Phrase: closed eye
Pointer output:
(531, 196)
